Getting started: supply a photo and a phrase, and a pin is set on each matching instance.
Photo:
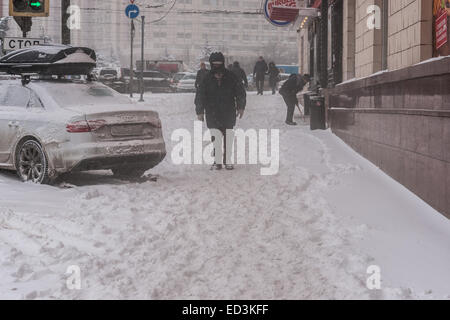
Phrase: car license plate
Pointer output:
(127, 130)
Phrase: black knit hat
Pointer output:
(216, 57)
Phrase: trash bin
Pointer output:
(317, 109)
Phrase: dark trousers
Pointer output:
(260, 84)
(290, 103)
(273, 85)
(219, 145)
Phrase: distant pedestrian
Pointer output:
(289, 90)
(240, 73)
(274, 76)
(221, 97)
(259, 74)
(200, 75)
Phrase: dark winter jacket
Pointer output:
(274, 72)
(200, 76)
(240, 74)
(260, 69)
(219, 103)
(292, 86)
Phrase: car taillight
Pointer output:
(84, 126)
(78, 127)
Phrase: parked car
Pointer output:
(51, 127)
(154, 81)
(187, 83)
(177, 77)
(108, 74)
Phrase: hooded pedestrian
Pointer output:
(221, 97)
(259, 74)
(240, 73)
(289, 90)
(200, 75)
(274, 74)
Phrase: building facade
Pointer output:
(384, 70)
(235, 27)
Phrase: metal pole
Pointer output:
(131, 60)
(142, 60)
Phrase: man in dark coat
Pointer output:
(240, 73)
(274, 73)
(200, 75)
(221, 97)
(259, 73)
(289, 91)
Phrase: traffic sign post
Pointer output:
(142, 58)
(132, 11)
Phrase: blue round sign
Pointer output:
(132, 11)
(274, 22)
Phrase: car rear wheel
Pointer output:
(31, 162)
(128, 173)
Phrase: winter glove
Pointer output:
(201, 117)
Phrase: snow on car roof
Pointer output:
(69, 93)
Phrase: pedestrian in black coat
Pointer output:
(289, 90)
(240, 73)
(259, 74)
(274, 73)
(221, 97)
(200, 75)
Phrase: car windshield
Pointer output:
(84, 94)
(178, 76)
(189, 77)
(108, 72)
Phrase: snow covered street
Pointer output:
(309, 232)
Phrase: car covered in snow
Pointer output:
(51, 127)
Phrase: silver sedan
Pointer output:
(48, 128)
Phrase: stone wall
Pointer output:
(400, 121)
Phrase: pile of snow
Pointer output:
(309, 232)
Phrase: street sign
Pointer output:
(10, 44)
(132, 11)
(441, 30)
(29, 8)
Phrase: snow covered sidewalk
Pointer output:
(309, 232)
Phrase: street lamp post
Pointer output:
(142, 58)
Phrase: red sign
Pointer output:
(281, 12)
(284, 13)
(441, 30)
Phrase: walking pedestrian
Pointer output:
(259, 74)
(274, 74)
(200, 75)
(221, 97)
(289, 90)
(240, 73)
